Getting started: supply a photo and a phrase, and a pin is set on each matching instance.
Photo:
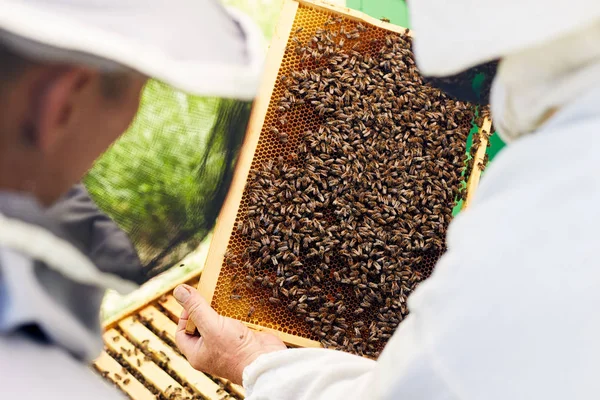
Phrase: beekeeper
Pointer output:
(71, 73)
(511, 311)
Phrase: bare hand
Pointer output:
(225, 346)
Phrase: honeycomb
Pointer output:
(251, 303)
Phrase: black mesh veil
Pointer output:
(164, 181)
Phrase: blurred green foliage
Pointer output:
(150, 173)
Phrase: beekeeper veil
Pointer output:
(549, 52)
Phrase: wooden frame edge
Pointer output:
(353, 14)
(475, 177)
(111, 322)
(287, 338)
(226, 220)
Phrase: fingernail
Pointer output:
(181, 293)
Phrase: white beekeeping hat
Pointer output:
(452, 36)
(197, 46)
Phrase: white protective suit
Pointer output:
(510, 311)
(50, 296)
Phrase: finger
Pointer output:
(183, 318)
(187, 344)
(198, 310)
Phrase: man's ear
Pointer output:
(57, 95)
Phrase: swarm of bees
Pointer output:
(344, 227)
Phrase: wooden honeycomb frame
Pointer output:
(227, 218)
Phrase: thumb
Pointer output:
(199, 311)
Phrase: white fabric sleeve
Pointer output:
(29, 370)
(404, 370)
(511, 310)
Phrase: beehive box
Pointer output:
(141, 357)
(278, 128)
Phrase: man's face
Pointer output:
(94, 123)
(68, 116)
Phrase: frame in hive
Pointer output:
(220, 281)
